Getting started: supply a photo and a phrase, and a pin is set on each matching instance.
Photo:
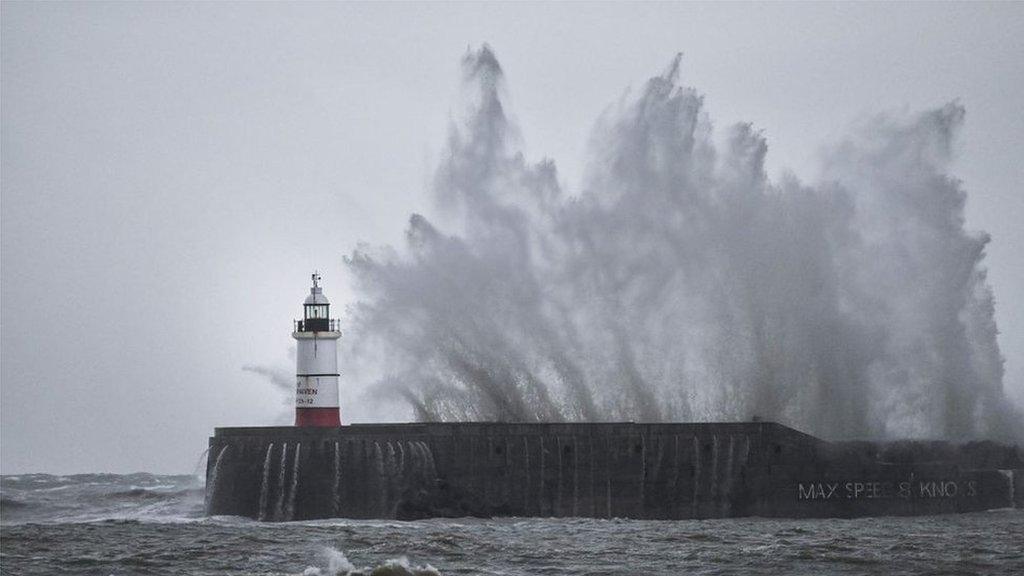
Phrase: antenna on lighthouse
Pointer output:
(316, 361)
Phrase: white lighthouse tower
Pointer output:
(316, 374)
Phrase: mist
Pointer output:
(680, 283)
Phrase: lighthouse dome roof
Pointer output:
(316, 296)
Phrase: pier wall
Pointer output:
(602, 470)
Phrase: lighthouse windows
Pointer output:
(316, 312)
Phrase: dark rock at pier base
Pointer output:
(604, 470)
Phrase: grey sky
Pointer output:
(172, 172)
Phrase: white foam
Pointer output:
(335, 563)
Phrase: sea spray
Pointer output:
(392, 466)
(293, 490)
(337, 564)
(416, 462)
(282, 473)
(201, 462)
(1008, 474)
(211, 485)
(401, 465)
(431, 467)
(728, 490)
(265, 483)
(679, 282)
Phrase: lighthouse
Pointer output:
(316, 361)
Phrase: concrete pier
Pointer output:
(603, 470)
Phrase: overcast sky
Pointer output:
(171, 173)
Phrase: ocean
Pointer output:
(145, 524)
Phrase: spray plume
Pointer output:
(681, 283)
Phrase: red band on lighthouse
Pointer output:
(317, 417)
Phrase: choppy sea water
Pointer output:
(149, 524)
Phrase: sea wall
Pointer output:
(851, 479)
(604, 470)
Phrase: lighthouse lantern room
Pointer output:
(316, 359)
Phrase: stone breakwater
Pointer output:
(598, 470)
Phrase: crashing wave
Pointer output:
(681, 283)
